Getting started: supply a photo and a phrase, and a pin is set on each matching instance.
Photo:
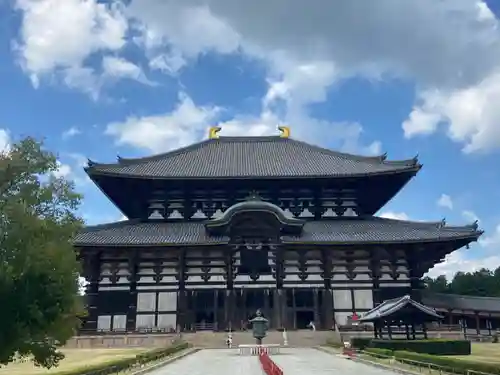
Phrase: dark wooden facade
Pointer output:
(206, 247)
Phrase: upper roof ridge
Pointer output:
(376, 159)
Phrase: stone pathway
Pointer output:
(311, 361)
(213, 362)
(292, 361)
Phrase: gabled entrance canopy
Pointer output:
(397, 312)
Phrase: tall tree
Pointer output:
(483, 282)
(38, 267)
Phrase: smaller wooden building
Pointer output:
(474, 315)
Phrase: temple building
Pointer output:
(229, 225)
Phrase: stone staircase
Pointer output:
(301, 338)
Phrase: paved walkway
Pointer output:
(292, 361)
(311, 361)
(213, 362)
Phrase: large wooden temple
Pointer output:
(230, 225)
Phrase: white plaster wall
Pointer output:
(104, 322)
(167, 301)
(145, 321)
(342, 299)
(167, 321)
(146, 302)
(120, 322)
(363, 299)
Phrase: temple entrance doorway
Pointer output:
(303, 318)
(204, 310)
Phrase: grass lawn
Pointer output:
(75, 358)
(483, 352)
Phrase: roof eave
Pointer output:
(93, 171)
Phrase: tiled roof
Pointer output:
(391, 306)
(460, 302)
(246, 157)
(339, 230)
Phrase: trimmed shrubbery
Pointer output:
(123, 364)
(452, 365)
(435, 346)
(432, 346)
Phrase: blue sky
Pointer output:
(98, 79)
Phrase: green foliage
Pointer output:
(484, 283)
(125, 364)
(452, 365)
(38, 266)
(435, 346)
(379, 353)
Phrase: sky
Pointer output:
(97, 79)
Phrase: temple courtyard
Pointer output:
(301, 361)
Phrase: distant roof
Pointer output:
(461, 302)
(353, 230)
(247, 157)
(392, 306)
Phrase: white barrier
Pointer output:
(257, 349)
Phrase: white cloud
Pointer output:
(471, 114)
(470, 216)
(453, 60)
(63, 170)
(395, 215)
(321, 43)
(492, 240)
(117, 67)
(457, 261)
(71, 132)
(58, 35)
(4, 141)
(181, 127)
(445, 201)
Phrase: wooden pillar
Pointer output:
(279, 295)
(316, 307)
(450, 318)
(294, 310)
(326, 265)
(133, 268)
(182, 318)
(215, 308)
(92, 273)
(375, 275)
(230, 297)
(478, 325)
(277, 307)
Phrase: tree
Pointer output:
(485, 283)
(437, 285)
(38, 266)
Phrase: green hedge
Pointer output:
(123, 364)
(379, 353)
(436, 346)
(452, 365)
